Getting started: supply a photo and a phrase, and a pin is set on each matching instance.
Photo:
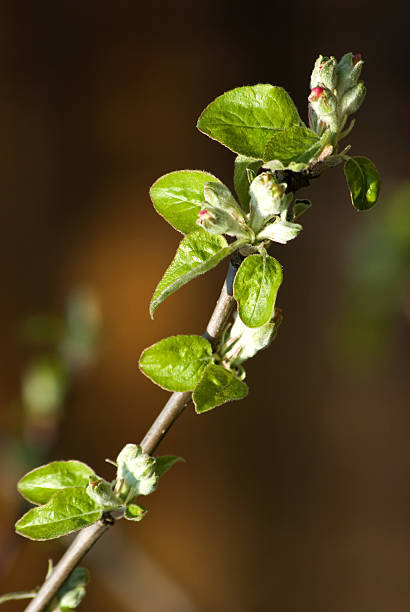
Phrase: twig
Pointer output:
(166, 418)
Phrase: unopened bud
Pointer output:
(316, 94)
(348, 72)
(353, 99)
(135, 473)
(221, 214)
(324, 73)
(101, 492)
(324, 105)
(268, 198)
(205, 218)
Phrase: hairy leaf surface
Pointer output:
(197, 253)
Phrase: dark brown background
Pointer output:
(297, 498)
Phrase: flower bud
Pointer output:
(348, 72)
(101, 492)
(324, 73)
(353, 99)
(268, 198)
(135, 474)
(324, 105)
(221, 214)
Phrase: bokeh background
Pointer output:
(296, 498)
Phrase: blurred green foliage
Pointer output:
(377, 281)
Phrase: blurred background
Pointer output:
(296, 498)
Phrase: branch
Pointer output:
(164, 421)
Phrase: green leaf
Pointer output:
(18, 595)
(216, 387)
(176, 363)
(243, 166)
(67, 511)
(41, 483)
(256, 285)
(178, 196)
(197, 253)
(134, 512)
(297, 144)
(363, 181)
(165, 462)
(245, 119)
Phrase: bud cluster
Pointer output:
(336, 93)
(135, 473)
(268, 216)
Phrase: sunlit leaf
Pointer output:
(216, 387)
(40, 484)
(178, 196)
(245, 119)
(67, 511)
(256, 285)
(176, 363)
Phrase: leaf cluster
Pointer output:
(69, 496)
(276, 153)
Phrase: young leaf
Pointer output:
(216, 387)
(176, 363)
(297, 144)
(164, 463)
(280, 231)
(133, 512)
(256, 285)
(245, 342)
(41, 483)
(241, 177)
(178, 196)
(363, 182)
(197, 253)
(68, 510)
(245, 119)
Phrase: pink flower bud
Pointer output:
(204, 215)
(315, 94)
(356, 58)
